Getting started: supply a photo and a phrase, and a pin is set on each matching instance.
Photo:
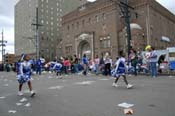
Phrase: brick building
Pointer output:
(96, 28)
(49, 16)
(9, 58)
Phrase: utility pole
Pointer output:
(125, 10)
(2, 44)
(37, 25)
(124, 5)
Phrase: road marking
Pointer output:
(125, 105)
(12, 111)
(18, 104)
(23, 99)
(28, 104)
(85, 83)
(104, 79)
(2, 97)
(56, 87)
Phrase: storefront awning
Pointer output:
(135, 26)
(166, 39)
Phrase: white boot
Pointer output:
(129, 86)
(114, 85)
(20, 93)
(32, 93)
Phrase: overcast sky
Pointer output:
(7, 19)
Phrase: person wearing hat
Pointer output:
(147, 56)
(147, 47)
(24, 74)
(153, 62)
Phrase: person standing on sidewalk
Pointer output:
(24, 74)
(107, 62)
(85, 64)
(75, 64)
(101, 65)
(97, 62)
(38, 66)
(153, 62)
(67, 65)
(133, 59)
(120, 70)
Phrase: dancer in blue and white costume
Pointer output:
(24, 74)
(120, 70)
(38, 67)
(58, 67)
(51, 66)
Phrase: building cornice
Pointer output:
(162, 10)
(89, 11)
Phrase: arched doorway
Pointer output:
(84, 48)
(84, 44)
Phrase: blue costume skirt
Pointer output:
(23, 78)
(119, 71)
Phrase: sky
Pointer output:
(7, 20)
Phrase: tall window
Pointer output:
(68, 27)
(77, 24)
(97, 18)
(83, 23)
(105, 42)
(42, 21)
(89, 21)
(68, 49)
(72, 26)
(52, 34)
(104, 16)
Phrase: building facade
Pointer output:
(98, 28)
(9, 58)
(49, 18)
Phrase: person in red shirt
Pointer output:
(67, 65)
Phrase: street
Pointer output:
(91, 95)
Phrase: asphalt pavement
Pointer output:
(91, 95)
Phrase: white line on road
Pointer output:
(56, 87)
(23, 99)
(28, 104)
(12, 111)
(2, 97)
(18, 104)
(85, 83)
